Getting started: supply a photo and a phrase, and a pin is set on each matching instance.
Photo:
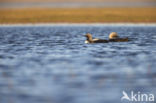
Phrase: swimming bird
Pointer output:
(113, 37)
(95, 40)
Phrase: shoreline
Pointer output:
(77, 24)
(79, 15)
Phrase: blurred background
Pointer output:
(76, 3)
(77, 11)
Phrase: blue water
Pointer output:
(52, 64)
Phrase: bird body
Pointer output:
(119, 40)
(113, 37)
(96, 40)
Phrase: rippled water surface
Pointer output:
(52, 64)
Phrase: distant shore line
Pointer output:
(79, 24)
(78, 15)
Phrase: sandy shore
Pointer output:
(78, 15)
(79, 24)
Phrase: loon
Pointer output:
(113, 37)
(95, 40)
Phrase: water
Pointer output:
(51, 64)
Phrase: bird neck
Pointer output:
(90, 39)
